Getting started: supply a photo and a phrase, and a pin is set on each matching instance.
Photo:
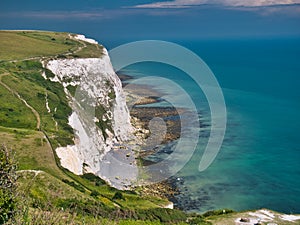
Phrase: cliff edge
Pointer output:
(100, 117)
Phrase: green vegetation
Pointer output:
(19, 45)
(73, 184)
(94, 179)
(13, 113)
(89, 51)
(118, 196)
(72, 90)
(103, 125)
(7, 185)
(25, 78)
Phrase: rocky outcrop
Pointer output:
(100, 116)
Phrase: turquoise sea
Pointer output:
(259, 162)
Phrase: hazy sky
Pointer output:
(148, 19)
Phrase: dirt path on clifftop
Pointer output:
(36, 114)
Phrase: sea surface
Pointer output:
(258, 165)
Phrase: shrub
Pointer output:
(89, 208)
(7, 185)
(73, 184)
(118, 195)
(41, 95)
(95, 193)
(93, 178)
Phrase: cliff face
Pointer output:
(100, 116)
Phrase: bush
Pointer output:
(95, 193)
(29, 65)
(40, 95)
(93, 178)
(88, 208)
(73, 184)
(118, 195)
(7, 185)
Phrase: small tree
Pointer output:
(8, 179)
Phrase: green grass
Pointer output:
(16, 45)
(21, 45)
(53, 37)
(13, 112)
(25, 77)
(91, 51)
(72, 90)
(131, 201)
(31, 149)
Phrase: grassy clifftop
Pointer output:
(20, 45)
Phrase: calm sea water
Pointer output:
(259, 162)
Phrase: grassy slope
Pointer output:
(55, 186)
(13, 112)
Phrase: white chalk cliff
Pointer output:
(100, 116)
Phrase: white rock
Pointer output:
(83, 38)
(97, 78)
(290, 218)
(69, 158)
(169, 206)
(267, 212)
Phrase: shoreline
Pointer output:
(141, 113)
(144, 97)
(146, 107)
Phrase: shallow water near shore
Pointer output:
(259, 162)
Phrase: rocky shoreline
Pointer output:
(142, 113)
(144, 109)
